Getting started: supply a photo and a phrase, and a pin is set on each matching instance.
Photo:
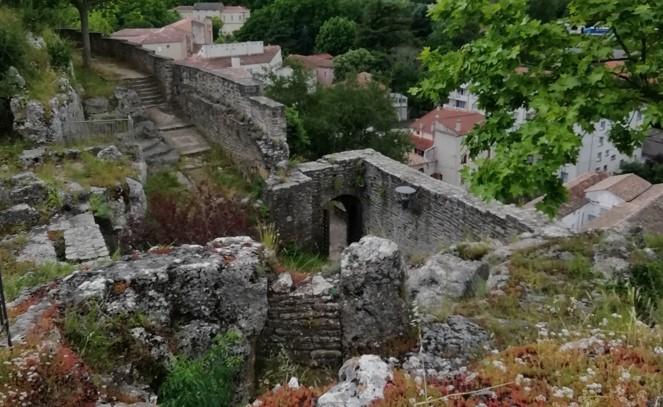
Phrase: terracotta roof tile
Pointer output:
(625, 186)
(448, 118)
(621, 214)
(226, 62)
(314, 61)
(421, 143)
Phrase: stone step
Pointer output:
(146, 144)
(176, 127)
(151, 99)
(149, 93)
(156, 150)
(168, 159)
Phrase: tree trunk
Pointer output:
(85, 32)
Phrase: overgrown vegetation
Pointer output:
(105, 342)
(208, 381)
(87, 170)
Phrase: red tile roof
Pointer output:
(314, 61)
(421, 143)
(267, 56)
(174, 32)
(625, 186)
(449, 118)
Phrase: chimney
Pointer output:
(458, 126)
(235, 62)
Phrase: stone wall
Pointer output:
(230, 112)
(438, 213)
(304, 321)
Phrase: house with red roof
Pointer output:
(177, 40)
(438, 142)
(321, 64)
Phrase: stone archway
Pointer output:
(342, 224)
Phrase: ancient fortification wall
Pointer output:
(230, 112)
(437, 214)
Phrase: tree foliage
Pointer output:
(385, 24)
(293, 24)
(336, 36)
(346, 116)
(353, 62)
(520, 62)
(651, 170)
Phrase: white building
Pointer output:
(599, 201)
(177, 40)
(438, 139)
(241, 59)
(233, 17)
(596, 154)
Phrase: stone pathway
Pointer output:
(83, 239)
(178, 132)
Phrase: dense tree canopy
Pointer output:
(336, 36)
(385, 24)
(564, 79)
(293, 24)
(353, 62)
(346, 116)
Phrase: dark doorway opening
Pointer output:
(343, 224)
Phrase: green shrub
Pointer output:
(59, 51)
(473, 250)
(99, 206)
(647, 280)
(12, 41)
(208, 381)
(105, 341)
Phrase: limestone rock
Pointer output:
(19, 215)
(96, 105)
(361, 382)
(110, 153)
(128, 103)
(39, 249)
(447, 346)
(196, 337)
(33, 157)
(283, 283)
(136, 201)
(373, 311)
(146, 130)
(444, 277)
(23, 188)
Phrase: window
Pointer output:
(564, 176)
(607, 153)
(599, 156)
(461, 91)
(590, 217)
(597, 169)
(459, 104)
(601, 141)
(463, 160)
(605, 168)
(602, 124)
(613, 157)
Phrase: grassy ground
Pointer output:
(87, 171)
(94, 82)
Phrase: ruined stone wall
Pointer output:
(230, 112)
(438, 214)
(305, 322)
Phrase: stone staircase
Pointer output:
(148, 91)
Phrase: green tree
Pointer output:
(651, 170)
(217, 25)
(336, 36)
(563, 79)
(353, 62)
(385, 24)
(547, 10)
(345, 116)
(293, 24)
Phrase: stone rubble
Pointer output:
(361, 381)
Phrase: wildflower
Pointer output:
(499, 365)
(658, 350)
(540, 398)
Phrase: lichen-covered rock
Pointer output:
(128, 103)
(33, 157)
(136, 201)
(23, 188)
(220, 284)
(373, 311)
(96, 105)
(444, 277)
(110, 153)
(361, 382)
(447, 346)
(34, 124)
(19, 215)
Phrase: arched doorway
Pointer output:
(343, 224)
